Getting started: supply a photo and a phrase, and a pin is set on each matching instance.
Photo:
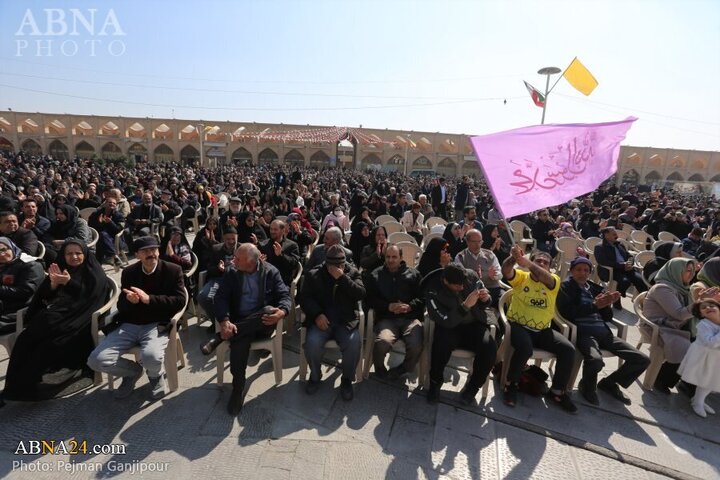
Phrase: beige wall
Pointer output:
(659, 165)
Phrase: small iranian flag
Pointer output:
(537, 97)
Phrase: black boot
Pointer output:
(433, 395)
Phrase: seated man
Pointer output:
(329, 298)
(333, 236)
(220, 260)
(30, 219)
(144, 220)
(22, 237)
(299, 234)
(108, 222)
(251, 300)
(393, 292)
(611, 253)
(483, 262)
(457, 307)
(169, 208)
(530, 314)
(281, 252)
(152, 292)
(587, 305)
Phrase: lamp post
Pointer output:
(201, 131)
(547, 71)
(407, 148)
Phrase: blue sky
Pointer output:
(417, 65)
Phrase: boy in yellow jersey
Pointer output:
(530, 314)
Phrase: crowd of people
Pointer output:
(259, 231)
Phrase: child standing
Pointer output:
(701, 365)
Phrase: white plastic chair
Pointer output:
(397, 237)
(398, 347)
(518, 230)
(274, 344)
(86, 212)
(392, 227)
(383, 219)
(410, 253)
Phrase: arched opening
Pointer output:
(422, 164)
(267, 157)
(242, 156)
(6, 146)
(652, 177)
(137, 152)
(163, 154)
(631, 176)
(395, 164)
(162, 132)
(29, 126)
(31, 147)
(84, 150)
(716, 178)
(189, 155)
(136, 130)
(674, 177)
(190, 132)
(319, 159)
(109, 129)
(371, 161)
(110, 151)
(447, 167)
(56, 127)
(696, 178)
(82, 129)
(58, 150)
(294, 158)
(216, 156)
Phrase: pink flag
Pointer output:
(535, 167)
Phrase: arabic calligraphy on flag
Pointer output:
(535, 167)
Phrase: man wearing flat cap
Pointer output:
(589, 307)
(329, 299)
(152, 292)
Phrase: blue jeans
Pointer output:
(347, 340)
(107, 357)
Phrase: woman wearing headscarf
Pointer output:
(373, 254)
(206, 238)
(18, 282)
(248, 230)
(176, 249)
(57, 338)
(663, 253)
(359, 239)
(436, 255)
(707, 277)
(67, 224)
(453, 235)
(493, 242)
(668, 305)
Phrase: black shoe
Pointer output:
(687, 388)
(588, 393)
(661, 388)
(263, 353)
(467, 396)
(346, 389)
(211, 345)
(397, 372)
(235, 403)
(617, 305)
(561, 400)
(311, 387)
(510, 394)
(613, 389)
(433, 395)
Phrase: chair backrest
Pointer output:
(411, 252)
(426, 239)
(644, 257)
(195, 262)
(383, 219)
(622, 234)
(567, 246)
(86, 212)
(41, 251)
(94, 237)
(112, 301)
(432, 221)
(668, 237)
(591, 243)
(639, 236)
(519, 229)
(392, 227)
(397, 237)
(657, 243)
(281, 217)
(627, 228)
(627, 244)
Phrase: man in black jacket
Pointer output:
(612, 254)
(152, 292)
(22, 237)
(329, 299)
(587, 305)
(251, 300)
(393, 292)
(458, 309)
(220, 260)
(281, 252)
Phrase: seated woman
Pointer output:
(206, 238)
(667, 305)
(493, 241)
(453, 236)
(67, 224)
(373, 254)
(176, 249)
(707, 277)
(248, 230)
(20, 280)
(436, 256)
(359, 239)
(57, 337)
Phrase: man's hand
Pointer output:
(277, 249)
(169, 250)
(272, 318)
(322, 322)
(141, 295)
(519, 257)
(398, 308)
(472, 299)
(221, 266)
(28, 223)
(494, 273)
(227, 329)
(335, 272)
(483, 295)
(253, 239)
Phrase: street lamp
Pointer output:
(201, 131)
(547, 71)
(407, 147)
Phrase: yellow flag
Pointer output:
(580, 77)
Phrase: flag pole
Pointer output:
(547, 71)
